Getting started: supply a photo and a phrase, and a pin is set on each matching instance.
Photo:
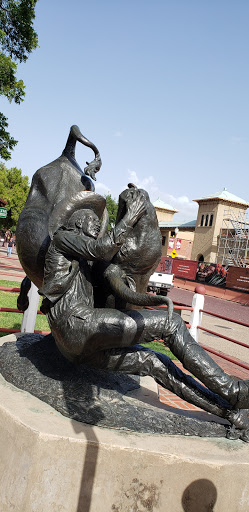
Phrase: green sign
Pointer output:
(3, 212)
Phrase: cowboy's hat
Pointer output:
(66, 207)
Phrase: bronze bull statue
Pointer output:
(50, 184)
(121, 283)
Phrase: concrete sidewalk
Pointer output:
(234, 311)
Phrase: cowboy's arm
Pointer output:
(78, 245)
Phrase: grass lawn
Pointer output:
(159, 347)
(14, 320)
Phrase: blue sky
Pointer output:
(160, 87)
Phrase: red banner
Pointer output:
(185, 268)
(238, 278)
(165, 265)
(212, 273)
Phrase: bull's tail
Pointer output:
(121, 290)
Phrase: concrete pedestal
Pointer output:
(49, 463)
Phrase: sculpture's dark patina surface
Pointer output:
(52, 183)
(90, 279)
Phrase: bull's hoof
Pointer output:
(22, 302)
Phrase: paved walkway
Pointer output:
(10, 268)
(235, 311)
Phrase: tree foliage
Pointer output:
(14, 189)
(112, 208)
(17, 40)
(5, 136)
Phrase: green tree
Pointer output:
(14, 189)
(112, 208)
(17, 40)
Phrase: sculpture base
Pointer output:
(91, 396)
(49, 462)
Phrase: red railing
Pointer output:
(14, 310)
(224, 318)
(12, 267)
(177, 306)
(180, 306)
(223, 336)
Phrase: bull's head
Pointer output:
(128, 274)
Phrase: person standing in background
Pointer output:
(10, 245)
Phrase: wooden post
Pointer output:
(29, 316)
(196, 314)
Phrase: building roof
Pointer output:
(177, 224)
(164, 206)
(225, 196)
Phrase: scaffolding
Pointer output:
(233, 240)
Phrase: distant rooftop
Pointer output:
(177, 224)
(160, 204)
(226, 196)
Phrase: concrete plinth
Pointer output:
(49, 463)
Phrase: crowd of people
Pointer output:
(8, 238)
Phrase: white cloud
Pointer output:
(118, 134)
(147, 183)
(133, 177)
(101, 188)
(187, 208)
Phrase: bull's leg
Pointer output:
(22, 299)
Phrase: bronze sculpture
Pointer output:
(88, 286)
(52, 183)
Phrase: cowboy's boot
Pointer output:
(196, 360)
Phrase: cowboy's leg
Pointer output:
(87, 331)
(113, 329)
(193, 357)
(196, 360)
(103, 338)
(138, 360)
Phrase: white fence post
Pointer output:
(29, 316)
(196, 314)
